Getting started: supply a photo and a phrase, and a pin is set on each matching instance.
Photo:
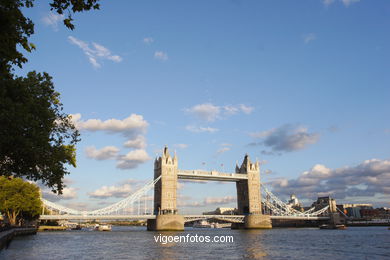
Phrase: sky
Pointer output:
(301, 86)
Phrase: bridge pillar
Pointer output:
(165, 209)
(334, 216)
(249, 197)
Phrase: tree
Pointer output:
(17, 198)
(37, 139)
(15, 28)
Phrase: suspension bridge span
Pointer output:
(164, 214)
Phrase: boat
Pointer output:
(327, 226)
(202, 224)
(341, 226)
(103, 227)
(77, 227)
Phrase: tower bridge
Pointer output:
(165, 215)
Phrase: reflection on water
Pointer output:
(252, 239)
(137, 243)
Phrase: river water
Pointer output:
(136, 243)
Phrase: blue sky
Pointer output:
(303, 86)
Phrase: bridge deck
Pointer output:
(144, 217)
(210, 175)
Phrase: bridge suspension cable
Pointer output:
(272, 202)
(280, 208)
(120, 205)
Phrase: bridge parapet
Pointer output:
(211, 175)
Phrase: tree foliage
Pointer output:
(37, 139)
(15, 28)
(19, 198)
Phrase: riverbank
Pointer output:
(7, 235)
(52, 228)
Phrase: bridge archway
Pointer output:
(246, 177)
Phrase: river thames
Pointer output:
(136, 243)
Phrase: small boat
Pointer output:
(104, 227)
(341, 226)
(77, 227)
(202, 224)
(327, 226)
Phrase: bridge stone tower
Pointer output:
(165, 197)
(249, 197)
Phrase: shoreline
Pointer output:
(7, 235)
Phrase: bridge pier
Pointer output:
(166, 223)
(257, 222)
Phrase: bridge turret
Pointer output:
(165, 194)
(165, 190)
(249, 197)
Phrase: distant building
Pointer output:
(222, 211)
(369, 213)
(294, 203)
(321, 202)
(360, 205)
(355, 210)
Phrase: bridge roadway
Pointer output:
(210, 175)
(232, 218)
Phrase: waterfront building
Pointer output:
(222, 211)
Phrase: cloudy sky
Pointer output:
(302, 86)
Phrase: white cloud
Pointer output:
(120, 191)
(327, 2)
(286, 138)
(139, 142)
(232, 110)
(77, 205)
(132, 159)
(181, 146)
(309, 37)
(201, 129)
(349, 2)
(97, 52)
(148, 40)
(207, 112)
(222, 200)
(207, 201)
(226, 144)
(210, 113)
(365, 180)
(223, 149)
(108, 152)
(160, 55)
(67, 194)
(130, 126)
(346, 3)
(246, 109)
(52, 20)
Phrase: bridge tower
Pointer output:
(334, 216)
(165, 196)
(249, 197)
